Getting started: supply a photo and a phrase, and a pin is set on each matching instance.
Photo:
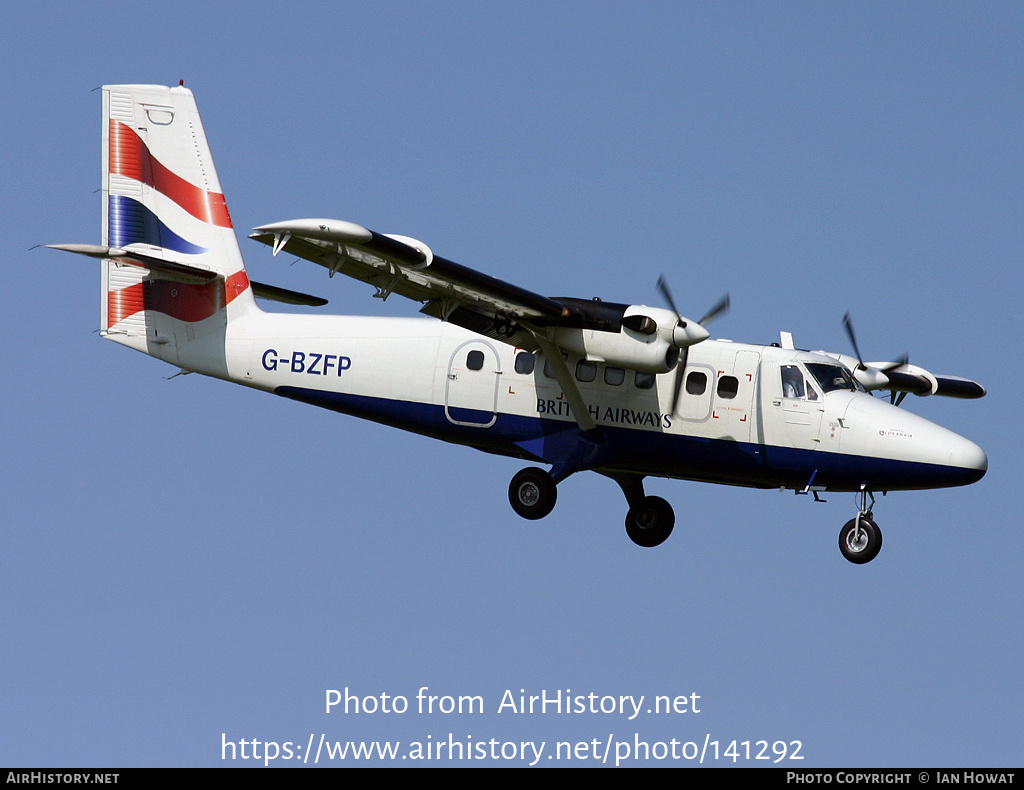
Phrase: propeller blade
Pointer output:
(677, 383)
(717, 310)
(663, 287)
(896, 363)
(848, 325)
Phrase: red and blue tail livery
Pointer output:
(131, 158)
(178, 266)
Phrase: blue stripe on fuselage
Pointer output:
(648, 452)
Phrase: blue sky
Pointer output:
(188, 560)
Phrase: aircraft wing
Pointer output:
(634, 337)
(407, 267)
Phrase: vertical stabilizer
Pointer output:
(162, 199)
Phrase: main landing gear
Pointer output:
(533, 492)
(860, 539)
(650, 522)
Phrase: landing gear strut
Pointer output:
(860, 539)
(532, 493)
(650, 519)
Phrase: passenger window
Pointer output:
(696, 383)
(475, 360)
(547, 370)
(728, 386)
(614, 376)
(644, 381)
(586, 371)
(525, 362)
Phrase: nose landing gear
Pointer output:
(860, 539)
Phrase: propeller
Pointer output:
(870, 373)
(687, 333)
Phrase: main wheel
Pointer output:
(649, 523)
(532, 493)
(861, 544)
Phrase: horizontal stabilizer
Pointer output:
(272, 292)
(181, 272)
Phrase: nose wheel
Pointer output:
(860, 539)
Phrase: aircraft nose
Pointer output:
(968, 456)
(926, 455)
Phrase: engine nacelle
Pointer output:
(909, 378)
(648, 340)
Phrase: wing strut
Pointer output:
(563, 375)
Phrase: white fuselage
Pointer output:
(734, 422)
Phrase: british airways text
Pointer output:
(307, 362)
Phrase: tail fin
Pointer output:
(163, 202)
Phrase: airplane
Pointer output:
(627, 391)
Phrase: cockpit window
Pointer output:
(832, 377)
(792, 382)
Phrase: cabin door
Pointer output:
(471, 388)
